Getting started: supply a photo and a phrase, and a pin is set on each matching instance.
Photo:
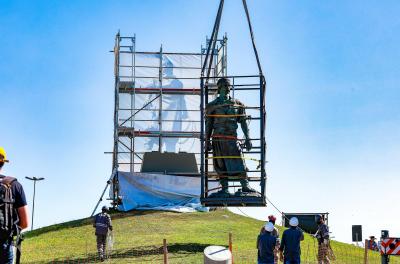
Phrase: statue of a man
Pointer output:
(222, 117)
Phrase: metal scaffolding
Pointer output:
(247, 85)
(250, 86)
(146, 85)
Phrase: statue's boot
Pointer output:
(246, 187)
(224, 192)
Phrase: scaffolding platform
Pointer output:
(242, 201)
(130, 132)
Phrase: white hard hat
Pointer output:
(294, 221)
(269, 227)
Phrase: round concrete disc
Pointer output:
(217, 254)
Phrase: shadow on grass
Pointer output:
(85, 221)
(137, 252)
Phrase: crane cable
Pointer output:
(214, 37)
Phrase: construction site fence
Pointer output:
(165, 251)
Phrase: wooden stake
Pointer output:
(230, 244)
(165, 250)
(366, 252)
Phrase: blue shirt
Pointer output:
(266, 245)
(290, 244)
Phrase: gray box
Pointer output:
(169, 163)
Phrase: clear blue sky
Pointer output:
(333, 98)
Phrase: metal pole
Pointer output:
(33, 206)
(115, 167)
(202, 145)
(262, 134)
(160, 105)
(384, 257)
(34, 179)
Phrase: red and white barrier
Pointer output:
(390, 246)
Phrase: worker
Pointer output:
(14, 215)
(102, 223)
(322, 236)
(275, 232)
(372, 245)
(290, 243)
(266, 244)
(222, 117)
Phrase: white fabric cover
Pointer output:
(159, 192)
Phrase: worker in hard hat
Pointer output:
(222, 118)
(3, 156)
(290, 243)
(14, 215)
(102, 223)
(275, 232)
(266, 243)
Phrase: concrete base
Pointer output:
(217, 255)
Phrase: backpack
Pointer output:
(102, 224)
(8, 215)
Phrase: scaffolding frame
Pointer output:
(125, 133)
(246, 84)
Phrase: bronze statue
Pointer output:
(222, 117)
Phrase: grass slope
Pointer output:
(138, 238)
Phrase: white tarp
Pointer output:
(180, 112)
(159, 192)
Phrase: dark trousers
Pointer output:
(6, 253)
(293, 260)
(101, 245)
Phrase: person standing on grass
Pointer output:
(275, 233)
(322, 236)
(290, 243)
(266, 243)
(372, 245)
(13, 214)
(102, 223)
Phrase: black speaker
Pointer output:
(357, 233)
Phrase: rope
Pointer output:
(243, 212)
(226, 137)
(286, 216)
(213, 42)
(252, 36)
(312, 235)
(233, 157)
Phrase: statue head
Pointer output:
(224, 86)
(168, 70)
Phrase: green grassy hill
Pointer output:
(138, 238)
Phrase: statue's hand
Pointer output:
(248, 144)
(208, 146)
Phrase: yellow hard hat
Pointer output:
(3, 155)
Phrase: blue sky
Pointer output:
(333, 100)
